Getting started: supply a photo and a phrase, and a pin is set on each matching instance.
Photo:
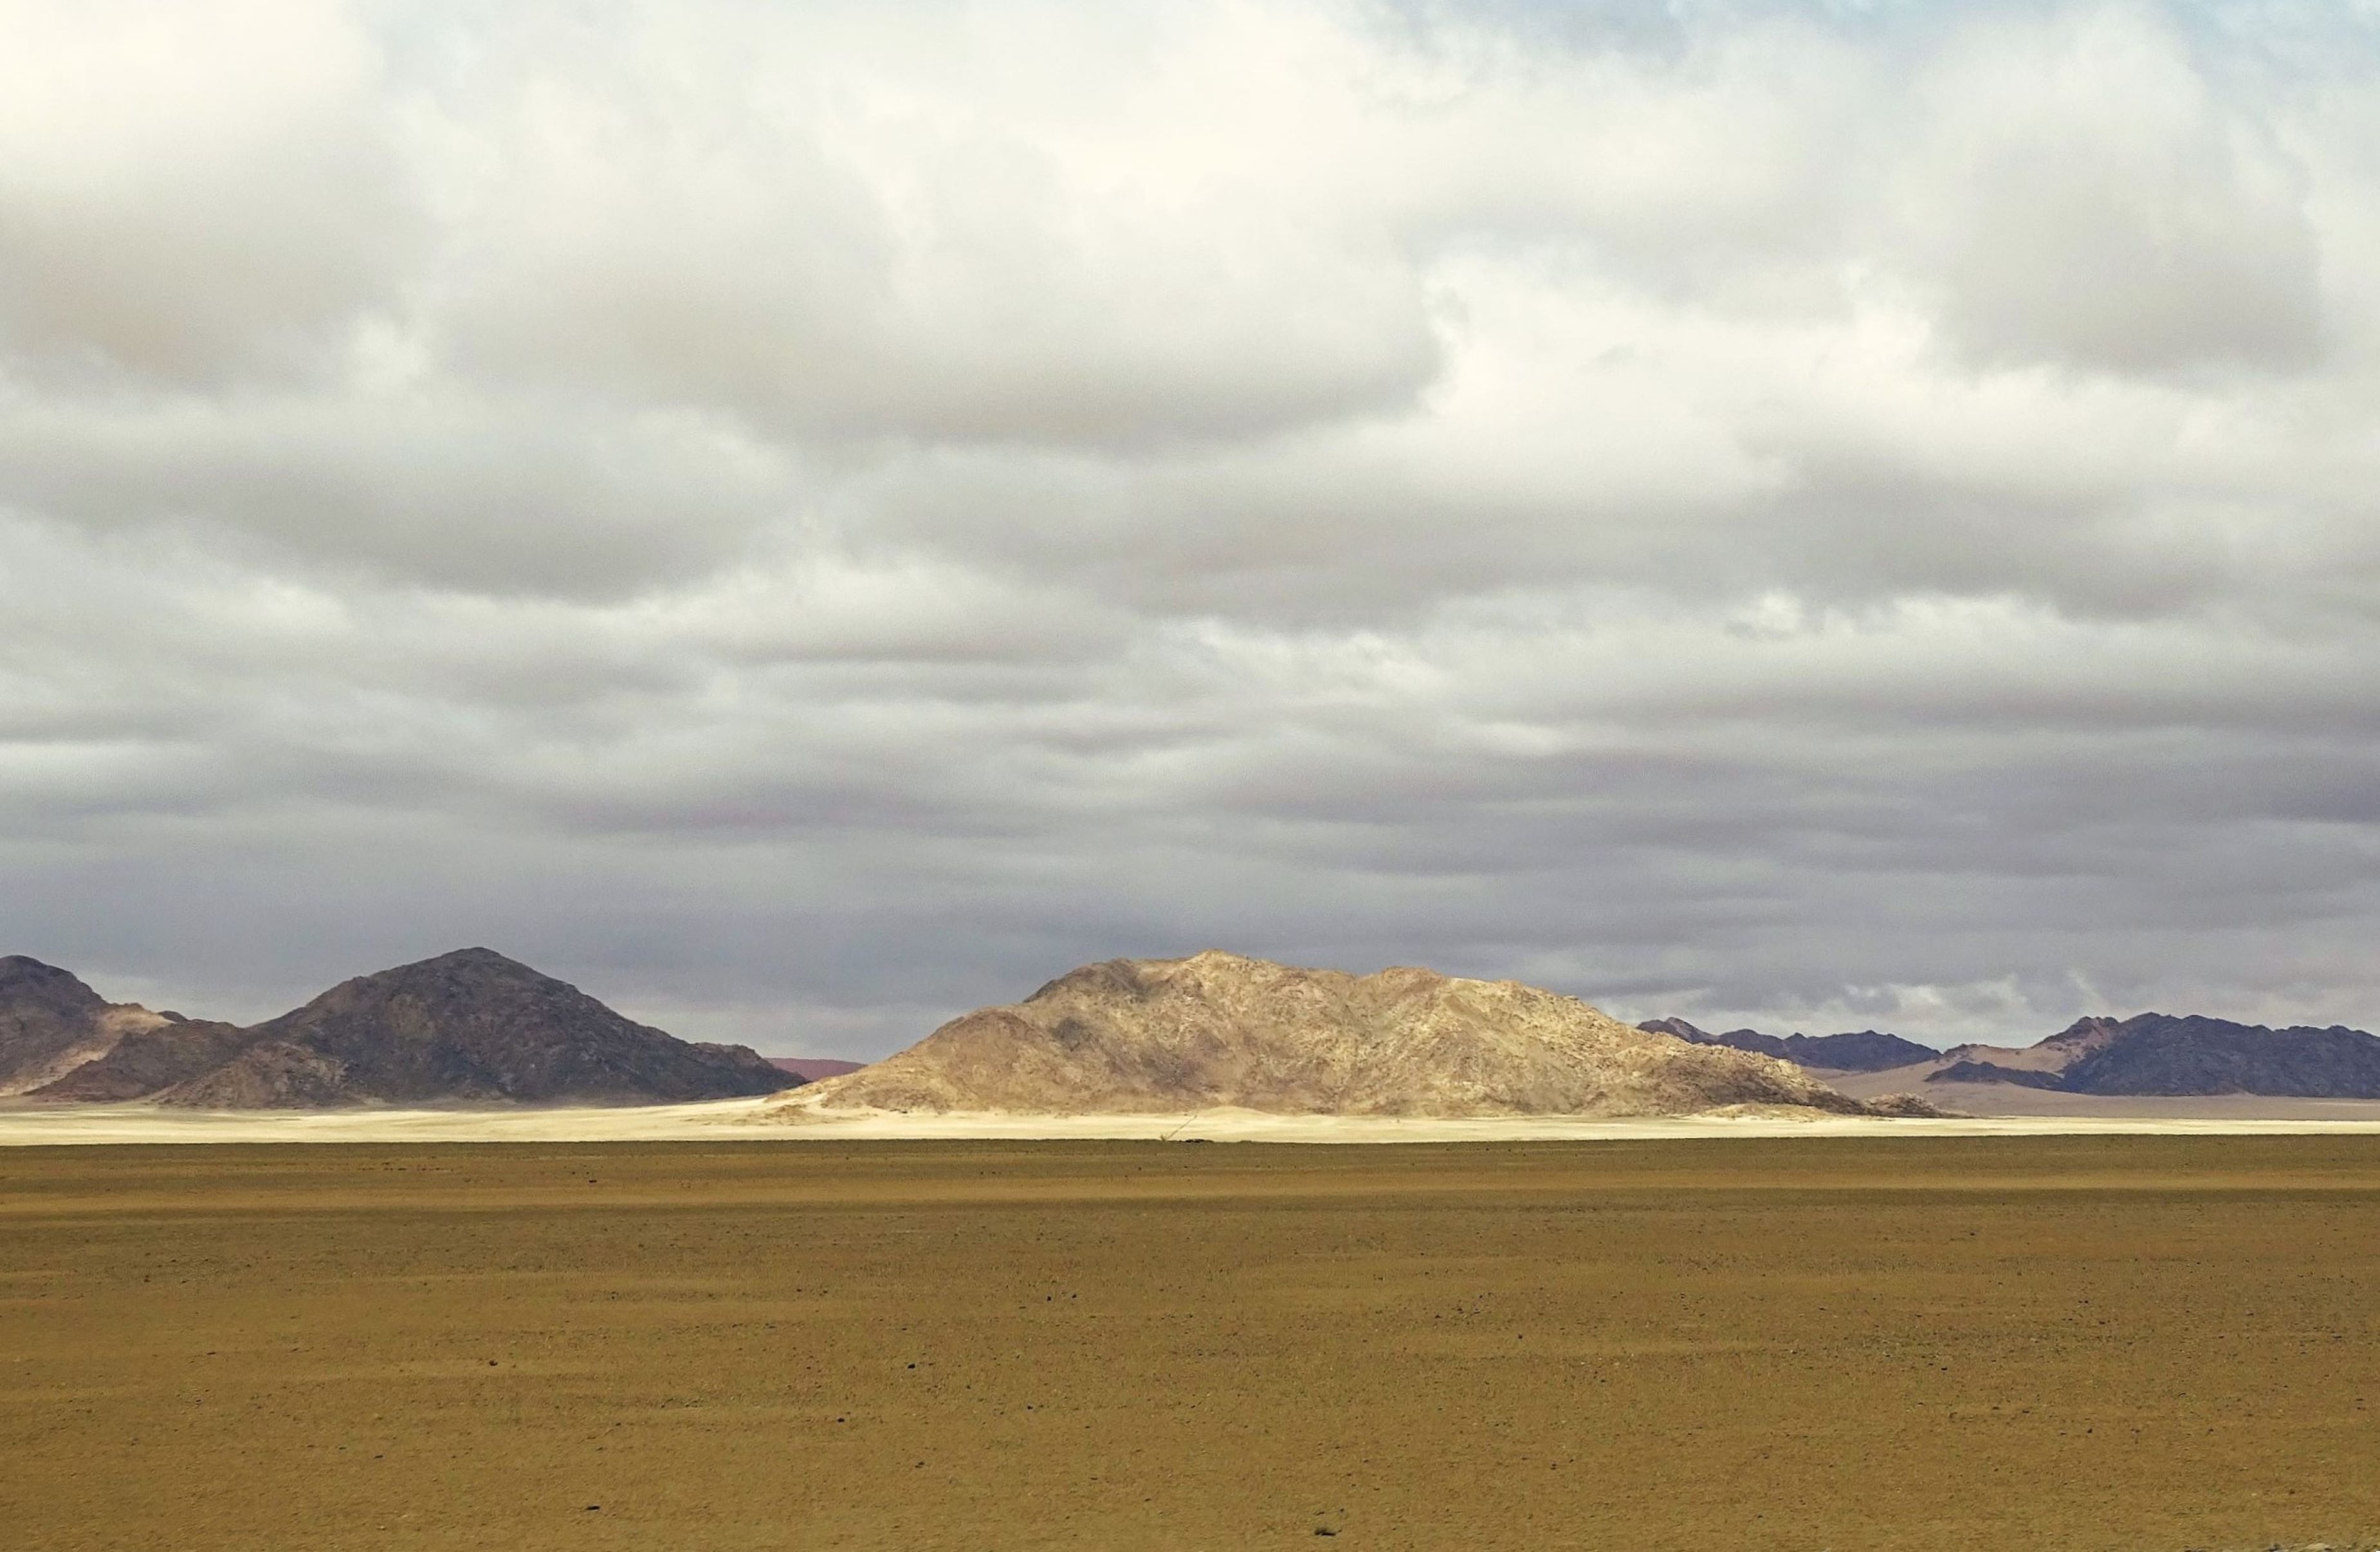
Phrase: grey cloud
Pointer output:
(517, 493)
(805, 521)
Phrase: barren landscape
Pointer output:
(1831, 1343)
(764, 1120)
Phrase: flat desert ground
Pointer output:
(1719, 1342)
(33, 1123)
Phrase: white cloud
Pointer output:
(195, 193)
(2083, 196)
(853, 510)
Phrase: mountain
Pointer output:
(2163, 1053)
(471, 1027)
(1217, 1029)
(1863, 1051)
(2157, 1054)
(52, 1023)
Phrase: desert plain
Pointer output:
(1869, 1341)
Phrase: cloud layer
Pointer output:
(804, 520)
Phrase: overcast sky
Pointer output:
(804, 518)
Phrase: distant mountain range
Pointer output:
(1864, 1051)
(474, 1028)
(2152, 1053)
(2162, 1054)
(1219, 1030)
(471, 1028)
(811, 1068)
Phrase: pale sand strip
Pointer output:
(742, 1120)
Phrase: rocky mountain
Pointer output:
(1862, 1051)
(150, 1059)
(471, 1027)
(2162, 1054)
(2157, 1054)
(1218, 1030)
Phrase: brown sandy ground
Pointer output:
(2116, 1342)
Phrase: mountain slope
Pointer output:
(51, 1023)
(471, 1026)
(149, 1060)
(1215, 1030)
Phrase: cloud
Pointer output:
(2083, 196)
(805, 519)
(924, 226)
(195, 195)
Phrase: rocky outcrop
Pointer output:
(1218, 1030)
(1910, 1106)
(1862, 1051)
(1858, 1051)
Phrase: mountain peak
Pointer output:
(483, 961)
(21, 975)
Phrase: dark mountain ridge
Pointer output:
(2162, 1054)
(470, 1027)
(1859, 1051)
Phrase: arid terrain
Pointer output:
(1861, 1342)
(2032, 1114)
(1218, 1030)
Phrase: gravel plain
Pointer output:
(2121, 1342)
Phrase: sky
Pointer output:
(804, 518)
